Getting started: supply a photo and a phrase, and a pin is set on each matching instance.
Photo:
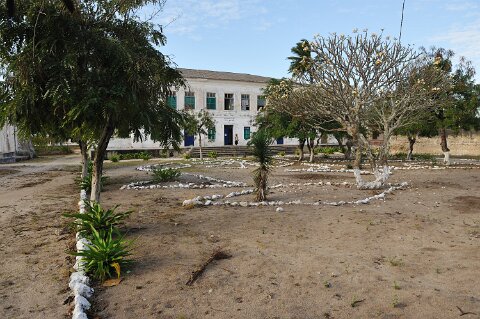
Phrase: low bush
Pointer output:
(165, 174)
(281, 153)
(114, 158)
(328, 150)
(212, 154)
(138, 155)
(187, 156)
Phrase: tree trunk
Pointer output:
(100, 152)
(348, 151)
(411, 143)
(311, 148)
(301, 145)
(200, 145)
(443, 144)
(84, 152)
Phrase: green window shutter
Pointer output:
(211, 103)
(211, 134)
(189, 102)
(172, 102)
(246, 133)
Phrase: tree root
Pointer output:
(217, 255)
(463, 313)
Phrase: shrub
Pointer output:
(187, 156)
(281, 153)
(95, 217)
(114, 158)
(329, 149)
(212, 154)
(165, 174)
(105, 255)
(144, 156)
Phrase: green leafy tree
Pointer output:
(93, 74)
(260, 144)
(198, 124)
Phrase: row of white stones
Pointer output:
(171, 165)
(79, 281)
(219, 183)
(211, 200)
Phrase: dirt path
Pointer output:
(34, 267)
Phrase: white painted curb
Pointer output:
(79, 281)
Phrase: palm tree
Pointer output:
(301, 62)
(260, 144)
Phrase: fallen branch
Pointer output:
(218, 255)
(463, 313)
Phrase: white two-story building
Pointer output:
(233, 99)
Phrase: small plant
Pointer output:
(396, 286)
(396, 262)
(95, 217)
(260, 144)
(327, 284)
(349, 166)
(187, 156)
(165, 174)
(281, 153)
(395, 302)
(144, 156)
(114, 158)
(212, 154)
(105, 255)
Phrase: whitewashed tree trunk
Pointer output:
(446, 158)
(381, 177)
(200, 145)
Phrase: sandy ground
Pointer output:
(414, 255)
(34, 267)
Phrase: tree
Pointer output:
(260, 144)
(97, 72)
(460, 111)
(365, 83)
(199, 124)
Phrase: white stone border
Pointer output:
(211, 200)
(220, 183)
(79, 281)
(172, 165)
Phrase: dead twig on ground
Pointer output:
(463, 313)
(217, 255)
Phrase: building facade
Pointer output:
(233, 100)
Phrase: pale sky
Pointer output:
(255, 36)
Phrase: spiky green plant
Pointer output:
(260, 144)
(105, 254)
(95, 217)
(86, 182)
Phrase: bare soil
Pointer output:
(414, 255)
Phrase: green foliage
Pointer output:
(95, 217)
(328, 150)
(115, 158)
(260, 145)
(106, 254)
(165, 174)
(135, 155)
(187, 156)
(212, 154)
(281, 153)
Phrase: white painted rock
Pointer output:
(279, 209)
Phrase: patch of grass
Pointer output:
(395, 301)
(396, 286)
(212, 154)
(396, 262)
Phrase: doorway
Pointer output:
(228, 135)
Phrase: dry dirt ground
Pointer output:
(414, 255)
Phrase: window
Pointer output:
(245, 102)
(189, 100)
(260, 102)
(211, 134)
(246, 133)
(211, 101)
(172, 100)
(228, 101)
